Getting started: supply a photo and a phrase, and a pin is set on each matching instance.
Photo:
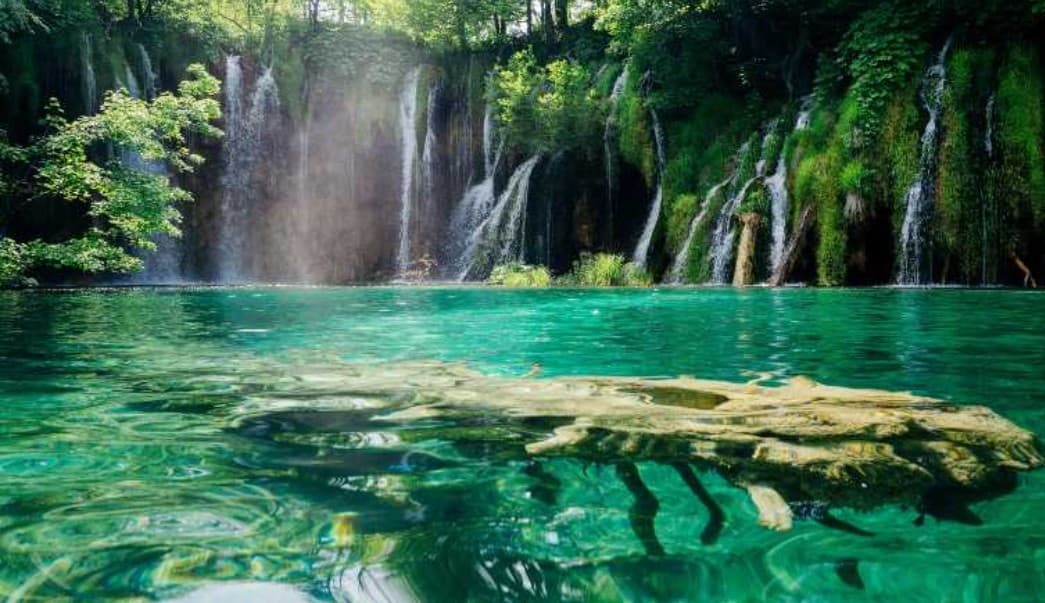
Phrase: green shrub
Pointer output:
(517, 275)
(606, 270)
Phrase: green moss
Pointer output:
(822, 153)
(1021, 132)
(679, 213)
(856, 178)
(961, 219)
(831, 226)
(605, 80)
(636, 142)
(900, 149)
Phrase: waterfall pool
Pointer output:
(194, 443)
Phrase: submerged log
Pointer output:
(744, 273)
(800, 443)
(794, 247)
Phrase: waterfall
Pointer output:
(475, 205)
(150, 88)
(640, 257)
(408, 154)
(608, 136)
(920, 196)
(243, 133)
(724, 235)
(500, 237)
(988, 147)
(777, 186)
(678, 267)
(129, 81)
(431, 148)
(988, 137)
(490, 155)
(90, 82)
(162, 265)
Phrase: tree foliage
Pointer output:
(126, 202)
(547, 107)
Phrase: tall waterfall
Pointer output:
(724, 235)
(500, 237)
(608, 136)
(641, 254)
(408, 156)
(429, 184)
(921, 195)
(243, 132)
(475, 205)
(777, 186)
(150, 79)
(90, 82)
(985, 210)
(163, 264)
(678, 268)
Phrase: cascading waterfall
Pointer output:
(609, 134)
(678, 267)
(779, 201)
(475, 204)
(243, 130)
(641, 255)
(90, 82)
(150, 79)
(724, 235)
(921, 195)
(501, 235)
(408, 155)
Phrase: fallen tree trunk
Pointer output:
(794, 247)
(801, 443)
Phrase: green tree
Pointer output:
(126, 204)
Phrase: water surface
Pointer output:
(151, 443)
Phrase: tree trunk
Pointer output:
(562, 14)
(547, 21)
(1028, 277)
(529, 18)
(793, 249)
(744, 273)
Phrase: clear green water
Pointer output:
(135, 463)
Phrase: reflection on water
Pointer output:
(156, 443)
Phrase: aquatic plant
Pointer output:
(517, 275)
(606, 270)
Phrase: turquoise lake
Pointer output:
(147, 449)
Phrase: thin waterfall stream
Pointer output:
(408, 157)
(641, 254)
(921, 195)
